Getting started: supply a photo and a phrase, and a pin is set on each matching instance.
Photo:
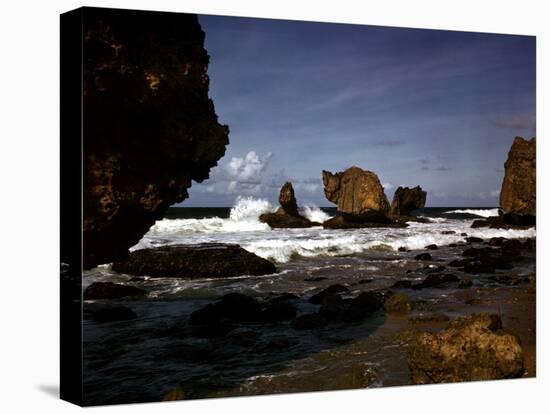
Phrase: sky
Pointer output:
(438, 109)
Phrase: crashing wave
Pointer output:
(315, 214)
(491, 212)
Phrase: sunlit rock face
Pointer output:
(518, 193)
(150, 127)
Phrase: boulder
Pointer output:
(398, 303)
(362, 306)
(348, 222)
(317, 298)
(436, 280)
(109, 290)
(518, 194)
(195, 261)
(423, 256)
(473, 348)
(149, 126)
(407, 199)
(107, 313)
(358, 194)
(287, 215)
(309, 321)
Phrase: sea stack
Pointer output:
(150, 126)
(287, 215)
(518, 194)
(360, 199)
(407, 199)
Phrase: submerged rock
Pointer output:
(108, 313)
(109, 290)
(473, 348)
(309, 321)
(406, 199)
(287, 215)
(213, 260)
(398, 303)
(150, 128)
(358, 194)
(317, 298)
(518, 194)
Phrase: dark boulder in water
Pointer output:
(362, 306)
(150, 128)
(309, 321)
(436, 280)
(317, 299)
(423, 256)
(350, 222)
(518, 194)
(108, 313)
(109, 290)
(406, 199)
(208, 260)
(287, 215)
(473, 348)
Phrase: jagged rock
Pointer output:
(358, 194)
(287, 215)
(518, 194)
(150, 127)
(195, 261)
(344, 222)
(407, 199)
(472, 348)
(109, 290)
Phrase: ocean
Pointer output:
(143, 359)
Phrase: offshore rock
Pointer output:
(207, 260)
(358, 194)
(287, 215)
(407, 199)
(518, 194)
(149, 126)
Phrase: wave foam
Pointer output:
(476, 212)
(315, 214)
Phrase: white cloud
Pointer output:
(248, 169)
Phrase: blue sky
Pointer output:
(438, 109)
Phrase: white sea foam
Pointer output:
(486, 212)
(315, 214)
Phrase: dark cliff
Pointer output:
(149, 126)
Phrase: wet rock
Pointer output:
(357, 193)
(403, 249)
(398, 303)
(459, 262)
(287, 215)
(434, 269)
(474, 239)
(350, 222)
(150, 126)
(406, 199)
(431, 247)
(518, 193)
(496, 241)
(108, 313)
(235, 307)
(309, 321)
(363, 282)
(402, 284)
(448, 232)
(332, 306)
(317, 299)
(436, 280)
(477, 267)
(472, 348)
(509, 279)
(465, 282)
(109, 290)
(279, 311)
(362, 306)
(423, 256)
(284, 297)
(208, 260)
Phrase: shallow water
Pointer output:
(143, 359)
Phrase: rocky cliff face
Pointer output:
(518, 193)
(358, 194)
(149, 125)
(407, 199)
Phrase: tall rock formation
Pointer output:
(407, 199)
(358, 194)
(518, 194)
(287, 215)
(149, 126)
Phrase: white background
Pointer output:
(29, 193)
